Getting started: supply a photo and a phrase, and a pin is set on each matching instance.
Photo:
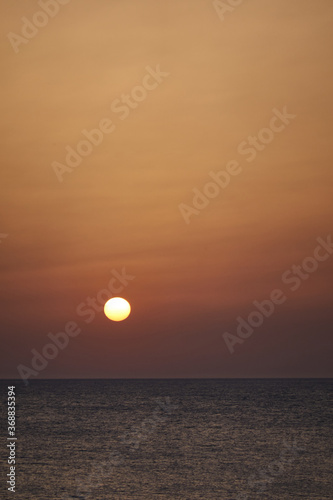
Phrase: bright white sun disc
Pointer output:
(117, 309)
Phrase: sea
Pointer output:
(186, 439)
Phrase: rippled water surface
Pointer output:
(172, 439)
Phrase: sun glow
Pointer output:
(117, 309)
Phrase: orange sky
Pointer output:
(119, 208)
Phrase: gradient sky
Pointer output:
(120, 207)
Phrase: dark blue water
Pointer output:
(171, 439)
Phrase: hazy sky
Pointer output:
(179, 92)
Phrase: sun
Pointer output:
(117, 309)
